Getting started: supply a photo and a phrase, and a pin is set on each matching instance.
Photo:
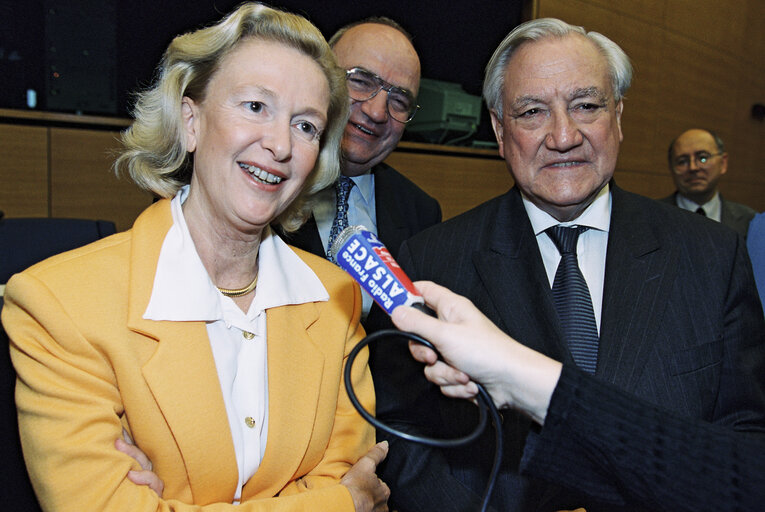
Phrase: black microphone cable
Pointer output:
(485, 406)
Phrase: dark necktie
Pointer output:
(701, 211)
(342, 190)
(573, 301)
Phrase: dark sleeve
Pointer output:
(427, 211)
(418, 476)
(756, 247)
(741, 392)
(621, 450)
(430, 213)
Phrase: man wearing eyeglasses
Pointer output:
(697, 161)
(383, 76)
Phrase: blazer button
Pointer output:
(247, 335)
(249, 421)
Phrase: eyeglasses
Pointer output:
(364, 85)
(682, 162)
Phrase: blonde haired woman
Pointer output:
(215, 346)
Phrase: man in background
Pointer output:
(383, 73)
(697, 161)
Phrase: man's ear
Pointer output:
(724, 166)
(499, 130)
(190, 117)
(619, 109)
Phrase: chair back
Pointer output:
(24, 242)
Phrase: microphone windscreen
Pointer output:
(359, 252)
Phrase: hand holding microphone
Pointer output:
(476, 350)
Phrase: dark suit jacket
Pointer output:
(681, 327)
(402, 209)
(734, 215)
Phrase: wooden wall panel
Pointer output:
(649, 184)
(82, 182)
(458, 181)
(718, 25)
(23, 171)
(698, 85)
(638, 10)
(746, 143)
(753, 40)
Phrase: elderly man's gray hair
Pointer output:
(619, 67)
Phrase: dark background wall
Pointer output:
(88, 55)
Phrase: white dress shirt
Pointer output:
(361, 212)
(183, 291)
(590, 249)
(712, 208)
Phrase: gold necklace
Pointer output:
(241, 291)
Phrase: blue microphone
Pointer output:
(359, 252)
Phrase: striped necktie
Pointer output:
(342, 191)
(572, 299)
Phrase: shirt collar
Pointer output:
(597, 215)
(711, 207)
(183, 290)
(365, 183)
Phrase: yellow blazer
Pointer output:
(89, 365)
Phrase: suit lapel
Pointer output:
(391, 225)
(181, 374)
(727, 216)
(184, 381)
(290, 346)
(511, 270)
(734, 218)
(639, 272)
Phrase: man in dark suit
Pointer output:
(383, 79)
(659, 302)
(697, 160)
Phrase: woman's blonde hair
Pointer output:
(155, 154)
